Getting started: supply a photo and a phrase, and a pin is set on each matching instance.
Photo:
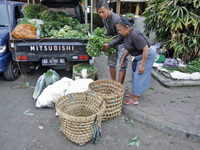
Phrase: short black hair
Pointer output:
(102, 3)
(124, 22)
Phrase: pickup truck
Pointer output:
(56, 53)
(7, 66)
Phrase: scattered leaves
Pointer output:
(129, 121)
(134, 141)
(151, 88)
(30, 114)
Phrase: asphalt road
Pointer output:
(39, 128)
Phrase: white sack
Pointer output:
(79, 85)
(51, 93)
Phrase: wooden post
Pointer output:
(130, 7)
(118, 7)
(137, 8)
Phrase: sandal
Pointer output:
(130, 95)
(128, 102)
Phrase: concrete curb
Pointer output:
(165, 127)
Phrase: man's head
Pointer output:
(103, 9)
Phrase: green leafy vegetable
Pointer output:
(27, 21)
(96, 43)
(33, 11)
(90, 69)
(193, 66)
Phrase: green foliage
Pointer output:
(33, 11)
(90, 68)
(56, 24)
(27, 21)
(48, 28)
(96, 43)
(48, 15)
(193, 66)
(129, 121)
(176, 24)
(68, 33)
(134, 141)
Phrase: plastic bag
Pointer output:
(84, 73)
(24, 31)
(51, 76)
(51, 93)
(43, 81)
(40, 85)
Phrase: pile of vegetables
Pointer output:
(54, 22)
(67, 33)
(90, 68)
(193, 66)
(96, 43)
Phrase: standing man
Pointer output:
(109, 20)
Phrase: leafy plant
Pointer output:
(193, 66)
(90, 68)
(96, 43)
(33, 11)
(134, 141)
(176, 24)
(48, 28)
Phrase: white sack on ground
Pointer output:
(79, 85)
(181, 75)
(51, 93)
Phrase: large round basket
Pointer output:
(80, 115)
(76, 74)
(112, 92)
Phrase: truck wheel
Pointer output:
(12, 72)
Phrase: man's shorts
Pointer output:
(115, 59)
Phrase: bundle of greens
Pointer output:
(96, 43)
(68, 33)
(193, 66)
(28, 21)
(48, 28)
(33, 11)
(90, 68)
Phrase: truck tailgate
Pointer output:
(36, 49)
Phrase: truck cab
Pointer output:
(7, 66)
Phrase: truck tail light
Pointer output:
(83, 57)
(22, 57)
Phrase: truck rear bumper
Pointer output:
(4, 62)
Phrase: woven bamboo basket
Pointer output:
(76, 74)
(112, 92)
(78, 112)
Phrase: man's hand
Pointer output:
(106, 47)
(122, 63)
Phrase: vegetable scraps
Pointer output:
(96, 43)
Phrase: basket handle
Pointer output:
(96, 130)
